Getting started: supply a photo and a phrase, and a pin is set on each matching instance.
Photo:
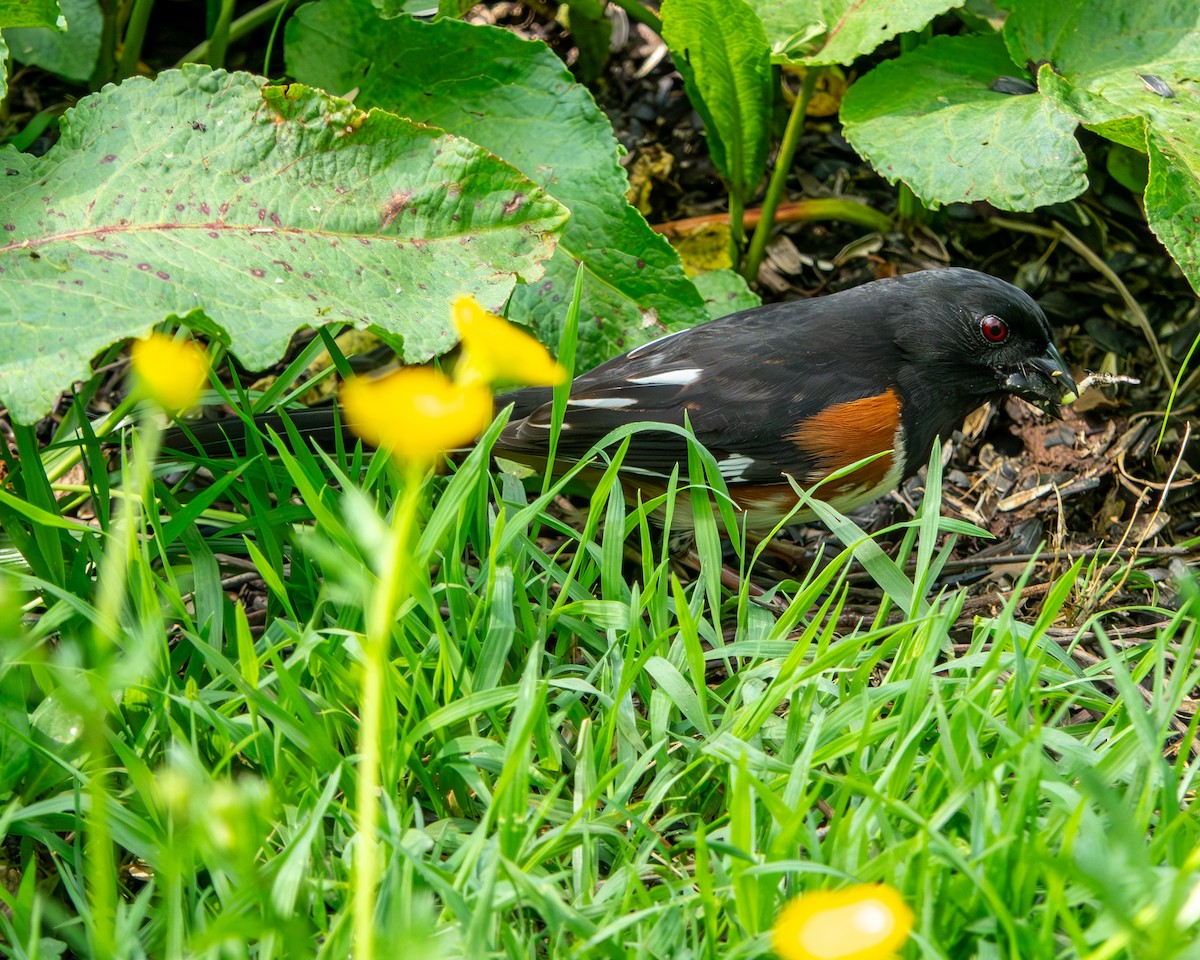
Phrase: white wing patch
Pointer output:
(668, 378)
(603, 403)
(734, 466)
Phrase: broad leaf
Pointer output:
(70, 54)
(249, 210)
(930, 119)
(1129, 71)
(720, 49)
(839, 31)
(29, 13)
(516, 98)
(725, 291)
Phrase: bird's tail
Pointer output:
(227, 437)
(321, 426)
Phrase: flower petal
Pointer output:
(496, 351)
(416, 414)
(172, 372)
(863, 922)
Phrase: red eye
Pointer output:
(994, 329)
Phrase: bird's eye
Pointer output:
(994, 329)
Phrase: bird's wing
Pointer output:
(771, 413)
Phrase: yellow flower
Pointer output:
(495, 351)
(171, 371)
(863, 922)
(416, 414)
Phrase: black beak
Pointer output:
(1044, 381)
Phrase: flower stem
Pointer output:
(393, 586)
(111, 587)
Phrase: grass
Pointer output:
(581, 755)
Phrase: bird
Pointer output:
(805, 388)
(796, 390)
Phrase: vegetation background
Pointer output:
(235, 724)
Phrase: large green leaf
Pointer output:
(720, 49)
(251, 211)
(517, 99)
(931, 120)
(29, 13)
(840, 31)
(726, 291)
(1129, 71)
(71, 53)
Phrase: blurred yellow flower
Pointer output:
(416, 414)
(496, 351)
(172, 372)
(863, 922)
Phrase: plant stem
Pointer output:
(266, 67)
(909, 208)
(240, 27)
(821, 208)
(1140, 320)
(737, 229)
(218, 43)
(106, 59)
(381, 615)
(135, 37)
(779, 175)
(99, 864)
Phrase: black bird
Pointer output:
(796, 389)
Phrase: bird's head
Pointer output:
(971, 337)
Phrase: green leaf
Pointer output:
(839, 31)
(515, 98)
(425, 8)
(29, 13)
(725, 292)
(71, 54)
(1110, 66)
(1173, 201)
(249, 211)
(720, 48)
(445, 8)
(14, 721)
(1128, 167)
(930, 119)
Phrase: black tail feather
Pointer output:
(227, 437)
(321, 426)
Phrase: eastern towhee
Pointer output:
(810, 386)
(800, 388)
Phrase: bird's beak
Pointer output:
(1044, 381)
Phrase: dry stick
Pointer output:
(1081, 248)
(1149, 525)
(966, 563)
(1152, 484)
